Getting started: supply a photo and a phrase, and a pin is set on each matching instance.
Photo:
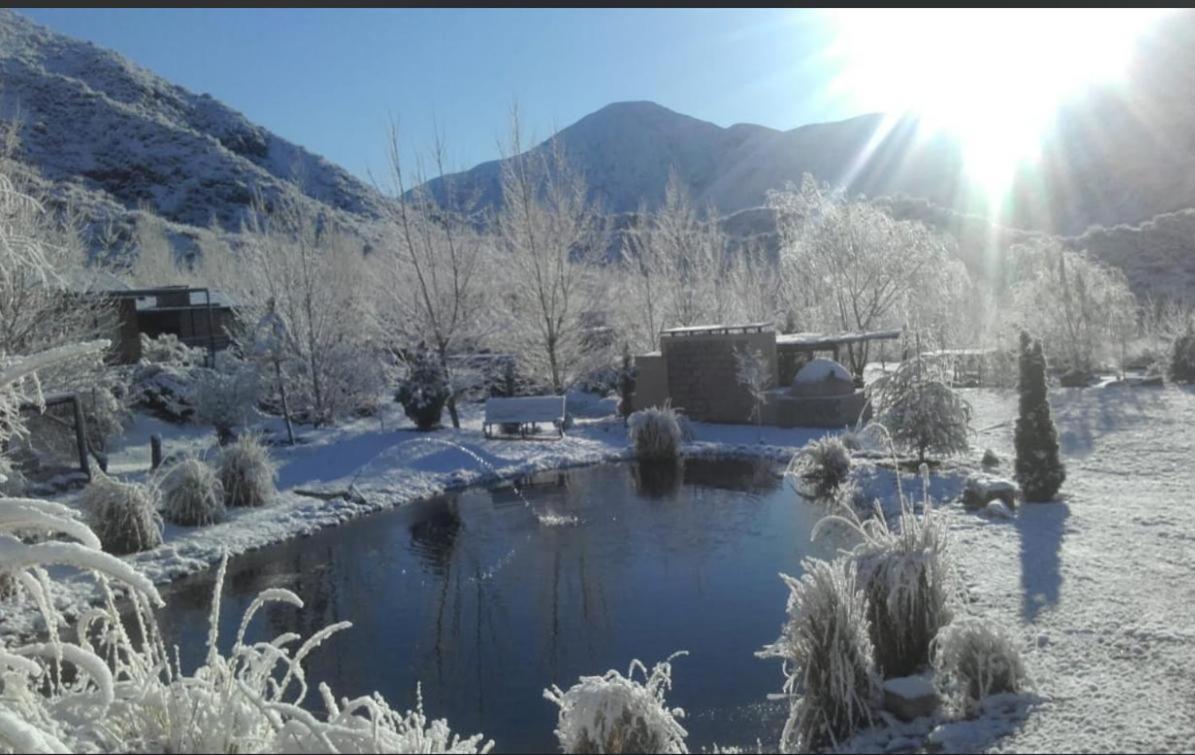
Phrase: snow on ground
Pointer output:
(1100, 586)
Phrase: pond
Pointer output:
(475, 598)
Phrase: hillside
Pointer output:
(114, 137)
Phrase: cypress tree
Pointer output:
(1039, 470)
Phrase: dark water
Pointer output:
(472, 596)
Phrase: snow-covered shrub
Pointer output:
(1181, 368)
(247, 473)
(829, 666)
(909, 578)
(821, 466)
(618, 714)
(973, 658)
(192, 494)
(425, 391)
(921, 412)
(655, 433)
(163, 381)
(123, 515)
(1039, 470)
(225, 400)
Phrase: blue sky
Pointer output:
(327, 79)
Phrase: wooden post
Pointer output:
(81, 437)
(155, 451)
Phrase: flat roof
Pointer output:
(693, 330)
(822, 341)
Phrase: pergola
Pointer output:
(814, 342)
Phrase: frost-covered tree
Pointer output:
(754, 372)
(1039, 470)
(1082, 310)
(225, 398)
(921, 412)
(847, 262)
(549, 237)
(315, 275)
(432, 269)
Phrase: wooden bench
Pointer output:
(526, 412)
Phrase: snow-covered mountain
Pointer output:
(115, 136)
(1119, 155)
(627, 149)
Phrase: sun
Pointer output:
(994, 78)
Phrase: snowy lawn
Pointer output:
(1102, 584)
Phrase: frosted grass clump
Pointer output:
(655, 433)
(247, 473)
(909, 578)
(192, 494)
(123, 515)
(974, 658)
(820, 467)
(829, 667)
(618, 714)
(132, 696)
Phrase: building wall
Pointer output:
(702, 374)
(651, 381)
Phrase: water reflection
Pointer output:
(470, 595)
(658, 479)
(432, 538)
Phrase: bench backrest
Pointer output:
(524, 409)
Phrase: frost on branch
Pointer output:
(619, 714)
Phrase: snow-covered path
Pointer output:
(1102, 584)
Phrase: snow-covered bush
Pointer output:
(655, 433)
(1039, 470)
(425, 390)
(225, 400)
(921, 412)
(618, 714)
(247, 473)
(1181, 368)
(192, 494)
(829, 667)
(163, 381)
(909, 578)
(821, 466)
(975, 657)
(123, 515)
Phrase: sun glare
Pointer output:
(992, 77)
